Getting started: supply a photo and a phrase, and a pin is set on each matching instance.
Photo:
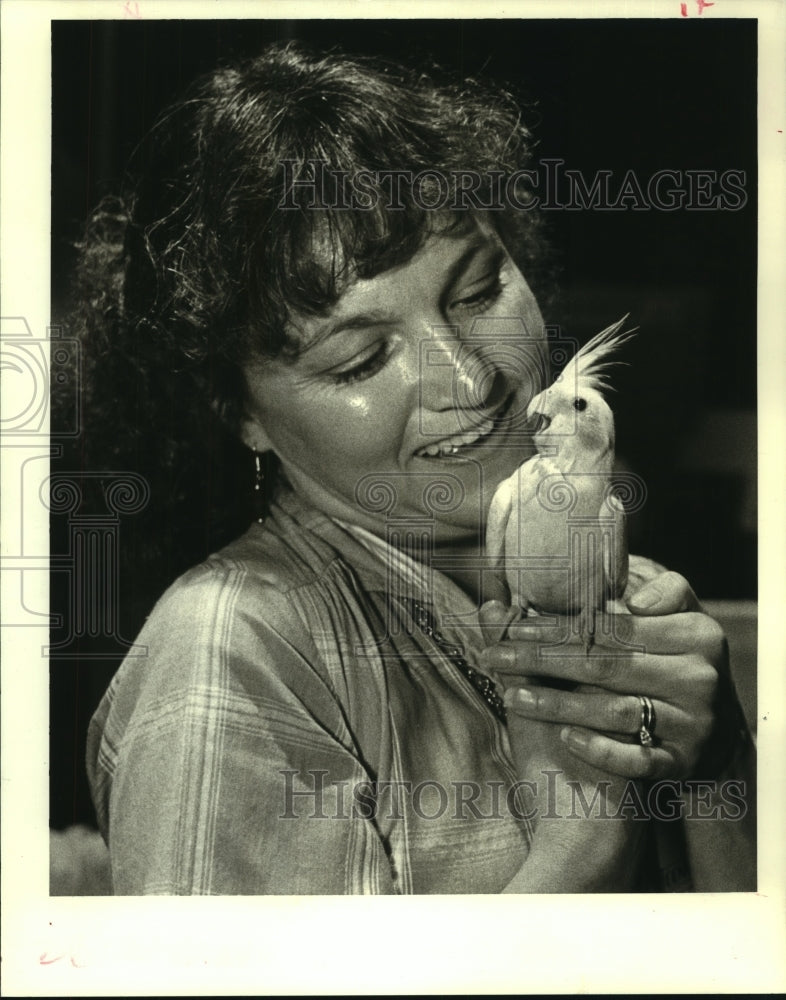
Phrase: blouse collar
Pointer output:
(384, 567)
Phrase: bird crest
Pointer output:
(589, 366)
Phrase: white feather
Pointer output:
(589, 366)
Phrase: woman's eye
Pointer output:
(481, 299)
(364, 369)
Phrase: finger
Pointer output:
(668, 678)
(620, 714)
(670, 634)
(494, 618)
(628, 760)
(669, 593)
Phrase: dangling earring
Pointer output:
(259, 479)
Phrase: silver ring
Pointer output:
(647, 724)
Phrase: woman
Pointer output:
(316, 258)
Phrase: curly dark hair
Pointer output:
(196, 267)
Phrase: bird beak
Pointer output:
(542, 424)
(536, 413)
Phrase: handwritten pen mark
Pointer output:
(701, 4)
(45, 959)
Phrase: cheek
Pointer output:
(359, 406)
(370, 421)
(376, 413)
(526, 306)
(338, 429)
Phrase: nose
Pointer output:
(456, 375)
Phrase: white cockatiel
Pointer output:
(555, 529)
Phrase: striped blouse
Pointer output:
(287, 727)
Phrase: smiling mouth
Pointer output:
(456, 445)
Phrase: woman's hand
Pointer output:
(583, 839)
(666, 649)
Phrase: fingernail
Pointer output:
(520, 698)
(493, 612)
(498, 657)
(573, 738)
(647, 598)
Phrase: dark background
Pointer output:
(611, 95)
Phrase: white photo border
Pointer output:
(301, 945)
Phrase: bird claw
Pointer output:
(587, 629)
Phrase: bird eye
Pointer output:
(579, 404)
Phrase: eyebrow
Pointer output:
(374, 318)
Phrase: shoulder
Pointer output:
(232, 632)
(249, 592)
(262, 571)
(283, 589)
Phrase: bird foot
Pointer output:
(587, 628)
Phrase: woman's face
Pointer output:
(408, 399)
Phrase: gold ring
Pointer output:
(647, 724)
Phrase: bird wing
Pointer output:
(615, 564)
(565, 545)
(504, 517)
(497, 521)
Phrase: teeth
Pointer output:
(451, 445)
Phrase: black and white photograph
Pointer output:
(392, 503)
